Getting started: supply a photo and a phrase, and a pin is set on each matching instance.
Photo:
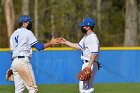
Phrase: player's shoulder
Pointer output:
(93, 35)
(24, 30)
(21, 31)
(15, 33)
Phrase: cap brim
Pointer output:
(82, 24)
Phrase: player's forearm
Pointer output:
(73, 45)
(46, 45)
(92, 59)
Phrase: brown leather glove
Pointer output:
(9, 75)
(85, 74)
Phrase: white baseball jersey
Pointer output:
(89, 44)
(21, 42)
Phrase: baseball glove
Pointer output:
(9, 75)
(85, 74)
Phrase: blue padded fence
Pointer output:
(62, 66)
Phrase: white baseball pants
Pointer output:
(87, 86)
(23, 75)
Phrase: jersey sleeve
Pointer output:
(93, 45)
(81, 43)
(31, 38)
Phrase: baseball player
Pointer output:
(21, 43)
(89, 45)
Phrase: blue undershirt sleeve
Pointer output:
(39, 46)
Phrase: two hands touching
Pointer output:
(61, 40)
(55, 41)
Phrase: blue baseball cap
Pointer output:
(24, 18)
(88, 22)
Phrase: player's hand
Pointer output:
(62, 40)
(54, 41)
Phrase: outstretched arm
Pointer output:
(68, 43)
(40, 46)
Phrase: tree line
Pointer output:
(117, 21)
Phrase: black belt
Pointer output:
(88, 61)
(20, 56)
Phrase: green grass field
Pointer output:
(73, 88)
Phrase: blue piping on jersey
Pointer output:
(33, 43)
(82, 53)
(39, 46)
(80, 46)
